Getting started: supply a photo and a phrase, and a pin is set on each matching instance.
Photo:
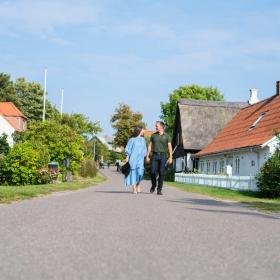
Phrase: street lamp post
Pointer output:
(94, 142)
(45, 93)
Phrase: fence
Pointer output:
(228, 182)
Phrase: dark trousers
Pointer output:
(157, 169)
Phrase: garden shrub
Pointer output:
(88, 168)
(4, 146)
(268, 179)
(23, 163)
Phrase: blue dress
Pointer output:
(136, 150)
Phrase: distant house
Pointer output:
(108, 142)
(246, 142)
(11, 120)
(197, 122)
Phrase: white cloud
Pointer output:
(43, 18)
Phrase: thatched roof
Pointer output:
(201, 120)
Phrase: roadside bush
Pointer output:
(88, 168)
(22, 165)
(60, 140)
(268, 179)
(4, 146)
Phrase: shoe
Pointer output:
(159, 193)
(152, 190)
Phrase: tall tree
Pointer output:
(168, 109)
(81, 124)
(123, 122)
(7, 90)
(30, 96)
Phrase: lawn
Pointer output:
(13, 193)
(251, 199)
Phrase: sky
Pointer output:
(137, 52)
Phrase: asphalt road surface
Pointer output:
(106, 232)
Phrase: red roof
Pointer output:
(148, 133)
(8, 109)
(240, 133)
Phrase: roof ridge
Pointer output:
(212, 103)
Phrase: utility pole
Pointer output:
(45, 93)
(61, 105)
(94, 142)
(94, 152)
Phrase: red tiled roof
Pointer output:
(8, 109)
(148, 133)
(238, 132)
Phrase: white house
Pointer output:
(197, 122)
(237, 153)
(11, 120)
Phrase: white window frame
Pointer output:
(237, 165)
(208, 167)
(222, 166)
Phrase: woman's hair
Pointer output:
(137, 130)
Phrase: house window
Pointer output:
(252, 163)
(258, 120)
(214, 167)
(208, 167)
(222, 167)
(237, 165)
(201, 166)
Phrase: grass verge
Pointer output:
(251, 199)
(14, 193)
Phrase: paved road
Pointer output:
(104, 232)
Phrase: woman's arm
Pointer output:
(128, 149)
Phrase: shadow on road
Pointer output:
(208, 202)
(120, 192)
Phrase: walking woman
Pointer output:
(136, 151)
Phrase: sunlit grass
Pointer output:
(252, 199)
(13, 193)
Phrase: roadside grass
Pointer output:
(14, 193)
(248, 198)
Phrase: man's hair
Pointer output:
(161, 123)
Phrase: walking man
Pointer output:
(159, 146)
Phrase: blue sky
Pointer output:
(108, 52)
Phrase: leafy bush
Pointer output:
(88, 168)
(4, 146)
(60, 140)
(23, 163)
(268, 179)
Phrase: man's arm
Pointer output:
(148, 152)
(170, 153)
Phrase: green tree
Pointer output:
(168, 109)
(101, 150)
(123, 122)
(4, 146)
(61, 141)
(30, 95)
(81, 124)
(7, 90)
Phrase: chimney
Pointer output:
(253, 96)
(278, 88)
